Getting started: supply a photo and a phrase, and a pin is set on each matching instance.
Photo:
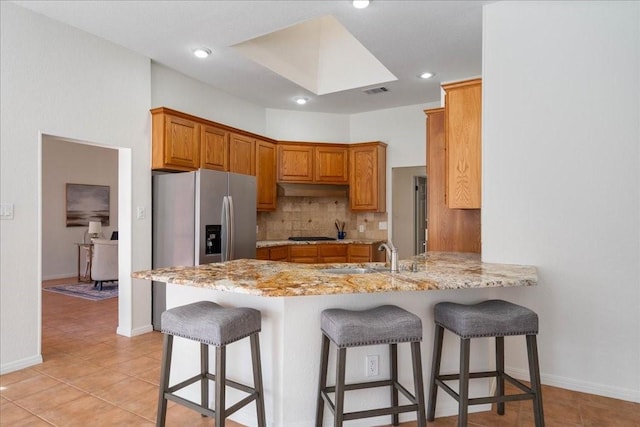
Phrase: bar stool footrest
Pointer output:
(372, 412)
(169, 395)
(527, 395)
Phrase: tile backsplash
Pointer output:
(315, 216)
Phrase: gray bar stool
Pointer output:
(492, 318)
(386, 324)
(211, 324)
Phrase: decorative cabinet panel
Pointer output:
(266, 175)
(176, 142)
(331, 164)
(215, 148)
(367, 177)
(463, 123)
(295, 162)
(242, 154)
(449, 230)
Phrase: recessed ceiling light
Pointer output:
(202, 52)
(427, 75)
(301, 100)
(360, 4)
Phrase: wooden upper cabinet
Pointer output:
(176, 142)
(214, 148)
(331, 164)
(266, 175)
(295, 162)
(463, 127)
(449, 230)
(242, 154)
(367, 177)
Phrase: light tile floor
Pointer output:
(92, 376)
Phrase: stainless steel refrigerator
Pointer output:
(198, 218)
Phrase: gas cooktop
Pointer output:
(310, 238)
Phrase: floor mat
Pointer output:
(86, 290)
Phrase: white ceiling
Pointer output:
(407, 37)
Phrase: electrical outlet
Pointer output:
(361, 228)
(6, 210)
(382, 225)
(372, 365)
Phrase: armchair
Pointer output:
(104, 263)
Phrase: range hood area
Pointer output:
(312, 190)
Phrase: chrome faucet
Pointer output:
(392, 253)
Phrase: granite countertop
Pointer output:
(270, 243)
(435, 271)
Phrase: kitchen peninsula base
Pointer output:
(290, 344)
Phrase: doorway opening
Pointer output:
(409, 209)
(79, 182)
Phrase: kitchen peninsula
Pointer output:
(291, 297)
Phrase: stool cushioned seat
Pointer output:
(210, 323)
(386, 324)
(492, 318)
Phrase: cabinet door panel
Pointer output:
(215, 148)
(181, 143)
(279, 253)
(331, 165)
(463, 121)
(295, 163)
(242, 154)
(266, 176)
(367, 177)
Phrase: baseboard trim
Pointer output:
(577, 385)
(60, 276)
(134, 332)
(20, 364)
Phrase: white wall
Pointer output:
(172, 89)
(67, 162)
(59, 81)
(561, 184)
(290, 125)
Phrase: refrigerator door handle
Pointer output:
(230, 231)
(225, 220)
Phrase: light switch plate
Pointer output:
(6, 210)
(141, 212)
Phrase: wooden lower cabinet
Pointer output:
(322, 253)
(274, 253)
(303, 253)
(332, 253)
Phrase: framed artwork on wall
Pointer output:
(87, 203)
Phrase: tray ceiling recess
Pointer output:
(320, 55)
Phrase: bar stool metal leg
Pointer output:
(435, 371)
(463, 403)
(500, 373)
(416, 358)
(164, 380)
(534, 373)
(221, 355)
(204, 370)
(340, 374)
(393, 368)
(324, 363)
(257, 379)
